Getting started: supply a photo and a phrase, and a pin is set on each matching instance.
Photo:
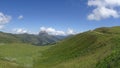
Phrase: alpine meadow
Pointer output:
(59, 34)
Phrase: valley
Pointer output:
(19, 55)
(59, 34)
(98, 48)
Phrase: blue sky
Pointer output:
(57, 15)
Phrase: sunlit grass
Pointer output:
(20, 54)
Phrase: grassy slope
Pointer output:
(18, 55)
(8, 38)
(93, 49)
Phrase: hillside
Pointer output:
(99, 48)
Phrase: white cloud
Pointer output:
(104, 9)
(70, 31)
(59, 33)
(103, 13)
(1, 26)
(49, 30)
(53, 31)
(20, 30)
(20, 17)
(4, 18)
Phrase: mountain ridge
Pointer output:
(39, 39)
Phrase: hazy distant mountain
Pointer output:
(43, 38)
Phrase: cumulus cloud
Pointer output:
(20, 17)
(20, 30)
(104, 9)
(4, 18)
(53, 31)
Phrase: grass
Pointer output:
(99, 48)
(85, 50)
(19, 54)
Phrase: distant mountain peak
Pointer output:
(42, 33)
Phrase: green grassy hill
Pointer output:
(8, 38)
(99, 48)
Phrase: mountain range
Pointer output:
(98, 48)
(43, 38)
